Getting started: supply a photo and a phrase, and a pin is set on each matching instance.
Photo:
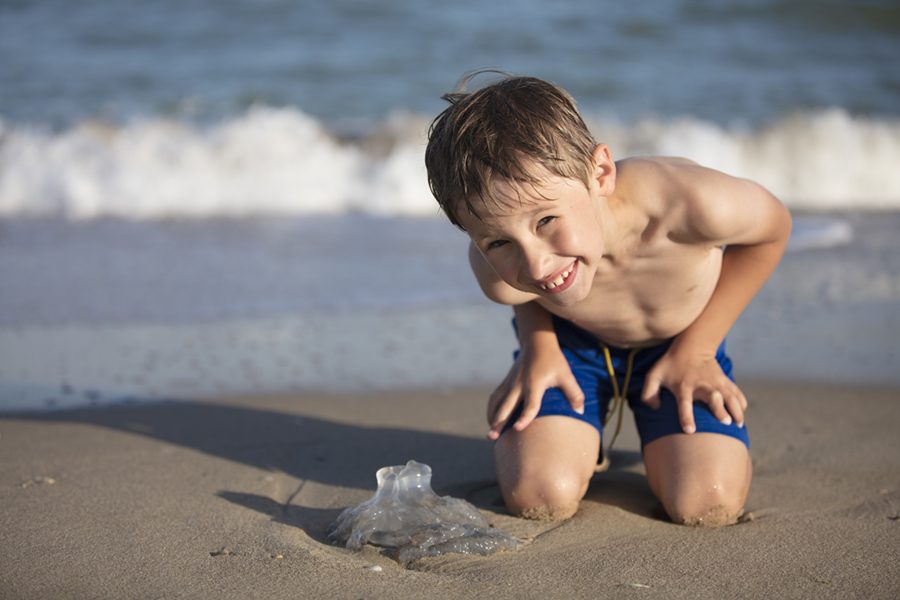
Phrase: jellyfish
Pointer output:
(406, 515)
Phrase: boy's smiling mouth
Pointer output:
(561, 281)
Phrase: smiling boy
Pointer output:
(623, 292)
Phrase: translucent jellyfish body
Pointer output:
(406, 514)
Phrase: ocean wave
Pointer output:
(281, 161)
(819, 160)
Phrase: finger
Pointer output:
(686, 408)
(499, 423)
(504, 410)
(530, 409)
(573, 393)
(733, 404)
(494, 401)
(716, 404)
(741, 398)
(511, 387)
(739, 401)
(650, 395)
(501, 407)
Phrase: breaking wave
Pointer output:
(282, 161)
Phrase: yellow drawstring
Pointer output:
(618, 399)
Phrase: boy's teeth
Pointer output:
(556, 282)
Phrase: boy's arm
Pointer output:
(540, 364)
(721, 211)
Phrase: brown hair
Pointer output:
(500, 131)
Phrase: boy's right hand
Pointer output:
(538, 368)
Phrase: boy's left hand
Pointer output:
(694, 376)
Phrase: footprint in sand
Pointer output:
(885, 504)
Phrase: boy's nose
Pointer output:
(535, 263)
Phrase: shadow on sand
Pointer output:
(625, 488)
(334, 454)
(311, 449)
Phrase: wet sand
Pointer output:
(232, 498)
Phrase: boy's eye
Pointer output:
(545, 221)
(496, 244)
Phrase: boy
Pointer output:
(622, 290)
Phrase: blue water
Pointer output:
(203, 197)
(349, 62)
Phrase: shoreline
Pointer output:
(109, 401)
(110, 320)
(201, 498)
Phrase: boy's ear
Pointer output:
(603, 169)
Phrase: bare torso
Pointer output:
(653, 287)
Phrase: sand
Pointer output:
(231, 498)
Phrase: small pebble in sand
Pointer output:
(222, 552)
(42, 480)
(374, 568)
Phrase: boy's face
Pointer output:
(545, 239)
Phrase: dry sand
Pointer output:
(231, 499)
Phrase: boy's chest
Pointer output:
(650, 297)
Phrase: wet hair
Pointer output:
(503, 130)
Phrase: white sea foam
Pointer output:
(282, 161)
(814, 232)
(823, 160)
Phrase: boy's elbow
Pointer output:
(776, 219)
(494, 288)
(784, 222)
(787, 220)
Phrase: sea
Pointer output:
(205, 198)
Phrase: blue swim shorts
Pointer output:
(587, 361)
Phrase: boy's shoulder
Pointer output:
(655, 172)
(693, 202)
(659, 186)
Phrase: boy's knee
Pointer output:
(701, 480)
(714, 506)
(545, 496)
